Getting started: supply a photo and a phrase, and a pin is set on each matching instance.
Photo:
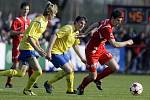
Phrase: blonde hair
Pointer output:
(50, 9)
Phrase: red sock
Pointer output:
(107, 71)
(8, 80)
(85, 82)
(30, 71)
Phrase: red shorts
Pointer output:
(93, 57)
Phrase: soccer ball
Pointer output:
(136, 88)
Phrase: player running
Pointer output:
(59, 45)
(95, 50)
(18, 27)
(29, 46)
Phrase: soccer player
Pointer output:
(96, 52)
(29, 47)
(18, 27)
(59, 45)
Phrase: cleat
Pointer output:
(48, 87)
(8, 85)
(35, 85)
(80, 91)
(74, 92)
(98, 84)
(28, 92)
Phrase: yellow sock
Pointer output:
(59, 75)
(70, 81)
(11, 72)
(34, 77)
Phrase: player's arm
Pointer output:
(120, 44)
(13, 33)
(51, 43)
(88, 31)
(36, 47)
(77, 50)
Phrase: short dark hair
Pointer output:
(117, 14)
(80, 18)
(24, 4)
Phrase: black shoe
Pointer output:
(74, 92)
(48, 87)
(35, 85)
(98, 84)
(8, 85)
(80, 91)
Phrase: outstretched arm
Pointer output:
(88, 31)
(120, 44)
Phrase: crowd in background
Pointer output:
(137, 56)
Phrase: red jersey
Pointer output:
(95, 50)
(18, 25)
(102, 35)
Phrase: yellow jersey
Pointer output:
(65, 39)
(35, 30)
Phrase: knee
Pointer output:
(116, 68)
(38, 73)
(21, 74)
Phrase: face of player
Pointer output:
(51, 16)
(25, 10)
(117, 21)
(80, 24)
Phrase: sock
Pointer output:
(11, 72)
(107, 71)
(8, 80)
(59, 75)
(70, 81)
(34, 77)
(85, 82)
(30, 71)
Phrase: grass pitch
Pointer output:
(115, 87)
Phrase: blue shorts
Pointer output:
(26, 54)
(59, 60)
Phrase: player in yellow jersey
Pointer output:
(30, 48)
(58, 48)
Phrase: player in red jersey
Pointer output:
(95, 50)
(18, 27)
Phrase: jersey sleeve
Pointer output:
(107, 33)
(77, 41)
(16, 26)
(65, 30)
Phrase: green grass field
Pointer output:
(116, 87)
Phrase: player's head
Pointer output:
(25, 8)
(80, 22)
(116, 17)
(50, 10)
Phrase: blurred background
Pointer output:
(133, 59)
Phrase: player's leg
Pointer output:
(112, 67)
(15, 54)
(88, 79)
(34, 77)
(9, 78)
(20, 72)
(70, 80)
(63, 63)
(30, 72)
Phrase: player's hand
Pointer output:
(48, 58)
(80, 35)
(130, 42)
